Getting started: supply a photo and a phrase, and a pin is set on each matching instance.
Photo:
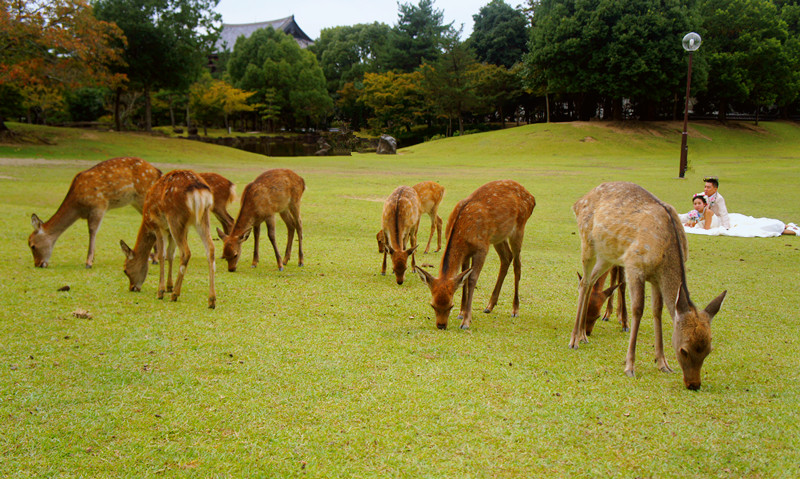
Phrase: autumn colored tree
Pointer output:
(212, 99)
(55, 45)
(396, 99)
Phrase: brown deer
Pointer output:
(224, 192)
(400, 222)
(277, 191)
(599, 295)
(494, 214)
(650, 244)
(176, 201)
(109, 184)
(430, 196)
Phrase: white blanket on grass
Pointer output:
(743, 226)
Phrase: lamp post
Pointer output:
(691, 42)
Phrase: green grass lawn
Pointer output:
(332, 370)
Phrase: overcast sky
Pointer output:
(314, 15)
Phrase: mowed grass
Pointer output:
(332, 370)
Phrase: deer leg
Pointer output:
(383, 267)
(613, 279)
(169, 257)
(186, 254)
(224, 218)
(658, 304)
(286, 216)
(466, 300)
(622, 311)
(256, 238)
(204, 230)
(592, 271)
(94, 221)
(637, 306)
(433, 229)
(464, 289)
(413, 236)
(298, 226)
(504, 252)
(161, 255)
(516, 249)
(271, 234)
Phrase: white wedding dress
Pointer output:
(741, 225)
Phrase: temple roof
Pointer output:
(230, 32)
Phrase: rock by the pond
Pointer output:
(387, 145)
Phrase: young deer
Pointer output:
(599, 295)
(651, 245)
(430, 196)
(224, 192)
(274, 191)
(176, 201)
(494, 214)
(400, 221)
(110, 184)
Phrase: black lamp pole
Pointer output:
(691, 42)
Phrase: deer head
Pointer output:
(442, 292)
(597, 298)
(692, 335)
(381, 241)
(41, 244)
(399, 261)
(232, 247)
(135, 269)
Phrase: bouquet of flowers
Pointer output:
(694, 216)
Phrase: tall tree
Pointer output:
(272, 61)
(55, 44)
(500, 34)
(418, 36)
(168, 41)
(345, 53)
(396, 98)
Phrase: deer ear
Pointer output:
(126, 249)
(411, 250)
(459, 280)
(608, 292)
(221, 234)
(682, 302)
(36, 222)
(245, 236)
(580, 278)
(713, 307)
(424, 275)
(389, 248)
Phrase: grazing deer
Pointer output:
(274, 191)
(224, 192)
(494, 214)
(109, 184)
(176, 201)
(649, 242)
(430, 196)
(400, 221)
(599, 295)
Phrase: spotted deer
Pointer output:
(224, 192)
(600, 295)
(277, 191)
(650, 245)
(400, 222)
(493, 215)
(430, 196)
(109, 184)
(175, 202)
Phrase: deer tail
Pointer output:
(199, 202)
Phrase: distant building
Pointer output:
(230, 32)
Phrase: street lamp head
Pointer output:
(691, 42)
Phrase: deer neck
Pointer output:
(454, 255)
(144, 244)
(63, 218)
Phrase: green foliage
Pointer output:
(86, 104)
(332, 370)
(418, 36)
(345, 53)
(270, 60)
(500, 34)
(212, 100)
(396, 98)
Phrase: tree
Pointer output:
(168, 41)
(55, 44)
(346, 53)
(396, 99)
(271, 60)
(612, 49)
(418, 36)
(212, 99)
(500, 34)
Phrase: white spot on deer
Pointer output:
(182, 269)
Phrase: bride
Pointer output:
(700, 220)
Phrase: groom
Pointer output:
(715, 200)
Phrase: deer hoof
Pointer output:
(174, 297)
(625, 329)
(630, 373)
(515, 315)
(88, 266)
(487, 310)
(212, 303)
(464, 326)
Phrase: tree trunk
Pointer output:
(722, 114)
(547, 105)
(117, 119)
(148, 121)
(171, 112)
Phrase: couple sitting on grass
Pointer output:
(709, 216)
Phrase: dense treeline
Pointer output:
(139, 63)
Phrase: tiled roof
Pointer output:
(230, 32)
